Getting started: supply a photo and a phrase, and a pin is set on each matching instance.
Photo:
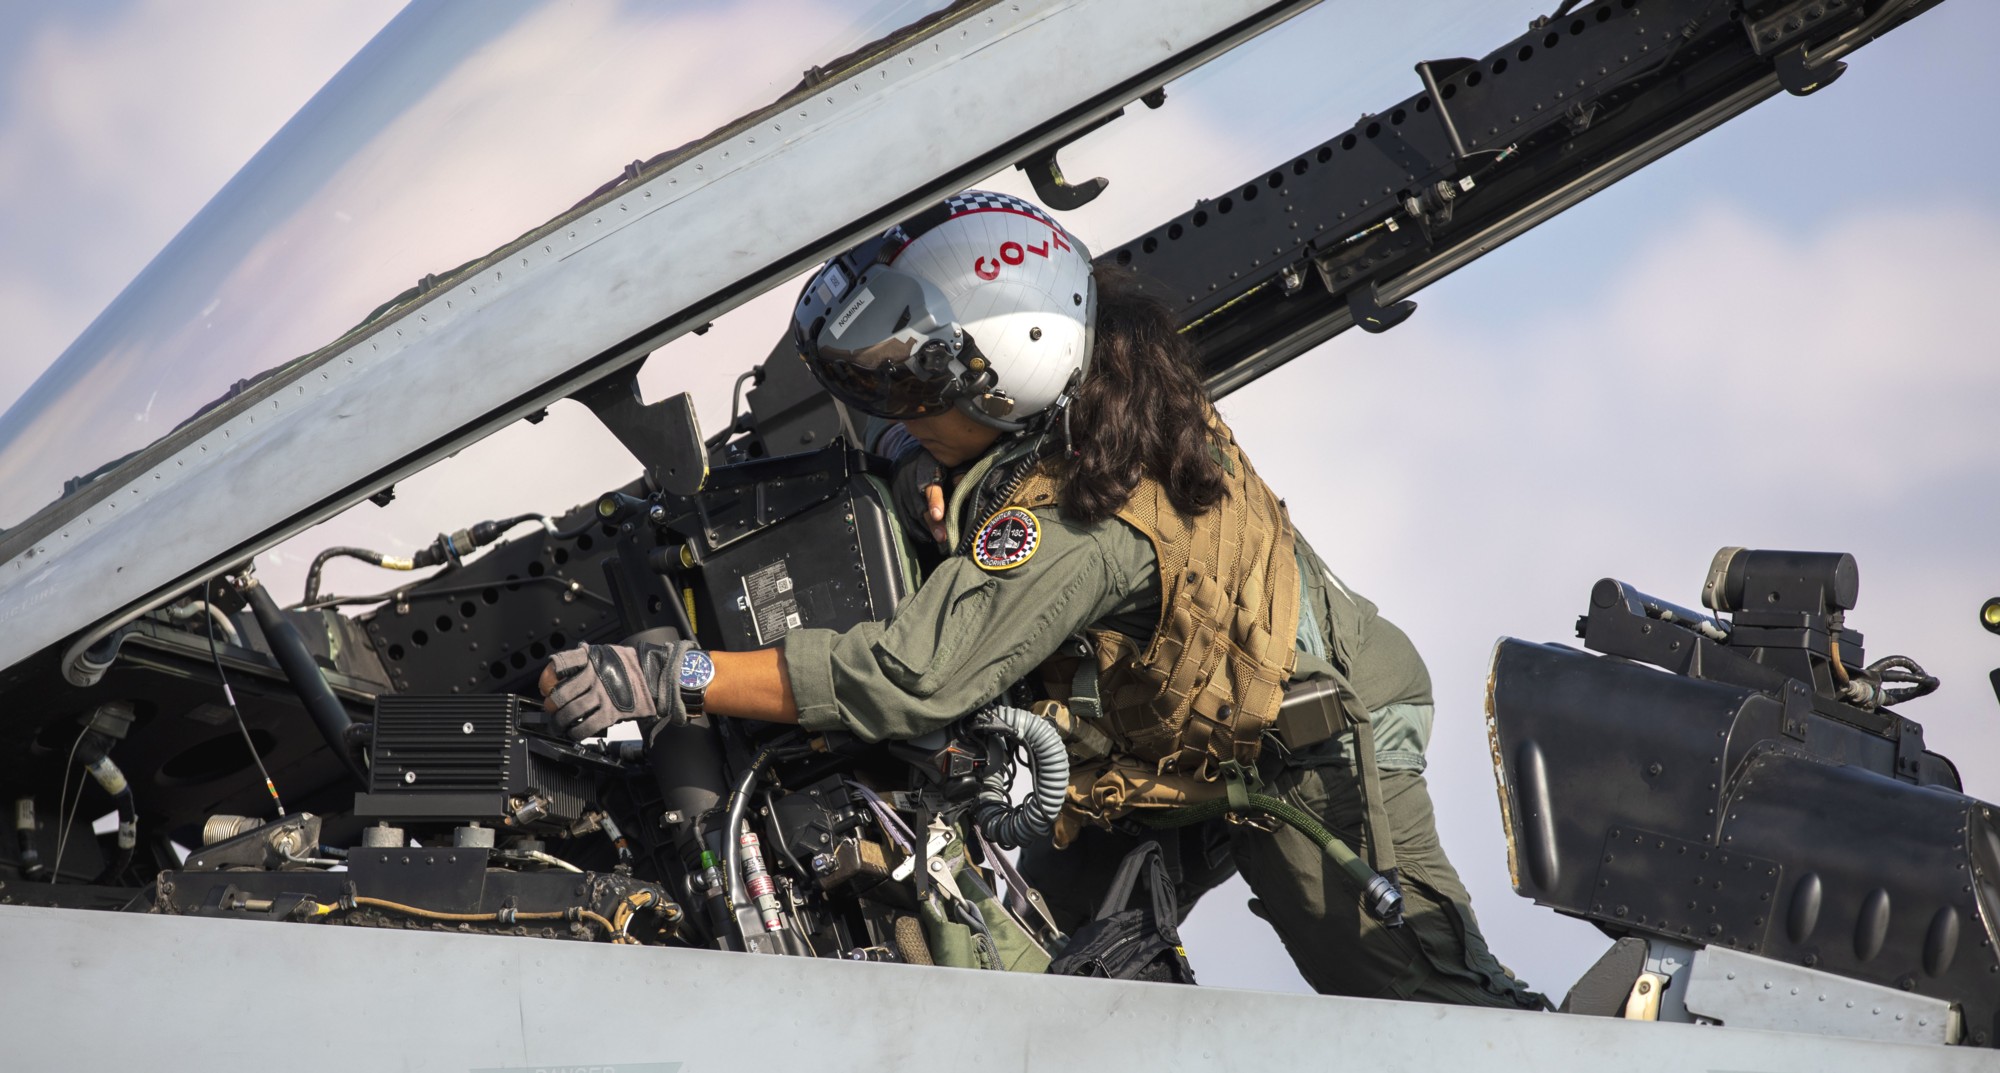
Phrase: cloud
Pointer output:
(119, 124)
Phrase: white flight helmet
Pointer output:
(984, 303)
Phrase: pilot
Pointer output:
(1106, 541)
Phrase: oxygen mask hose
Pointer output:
(1033, 819)
(1379, 894)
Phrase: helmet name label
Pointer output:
(862, 301)
(832, 284)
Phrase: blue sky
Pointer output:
(1776, 337)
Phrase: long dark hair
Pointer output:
(1141, 411)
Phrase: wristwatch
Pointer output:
(696, 671)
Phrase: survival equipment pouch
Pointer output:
(1123, 943)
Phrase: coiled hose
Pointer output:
(1032, 819)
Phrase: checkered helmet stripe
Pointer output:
(988, 201)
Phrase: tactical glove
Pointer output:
(601, 685)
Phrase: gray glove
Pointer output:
(601, 685)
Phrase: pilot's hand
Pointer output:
(919, 488)
(934, 504)
(591, 687)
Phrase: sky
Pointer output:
(1776, 337)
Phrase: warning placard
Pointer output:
(774, 610)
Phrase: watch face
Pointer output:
(697, 670)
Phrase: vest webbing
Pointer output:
(1206, 687)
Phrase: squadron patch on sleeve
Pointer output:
(1007, 539)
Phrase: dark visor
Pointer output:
(875, 344)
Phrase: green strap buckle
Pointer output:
(1239, 783)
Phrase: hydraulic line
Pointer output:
(1865, 693)
(220, 619)
(504, 916)
(448, 548)
(114, 783)
(622, 916)
(372, 558)
(1017, 825)
(758, 883)
(739, 805)
(539, 857)
(1903, 671)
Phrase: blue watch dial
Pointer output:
(697, 670)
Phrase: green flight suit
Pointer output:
(969, 633)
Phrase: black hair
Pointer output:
(1141, 411)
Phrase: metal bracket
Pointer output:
(1800, 76)
(1059, 193)
(1909, 748)
(1364, 304)
(1797, 707)
(664, 436)
(1579, 116)
(1055, 191)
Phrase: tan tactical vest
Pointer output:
(1208, 685)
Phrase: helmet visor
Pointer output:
(884, 344)
(886, 388)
